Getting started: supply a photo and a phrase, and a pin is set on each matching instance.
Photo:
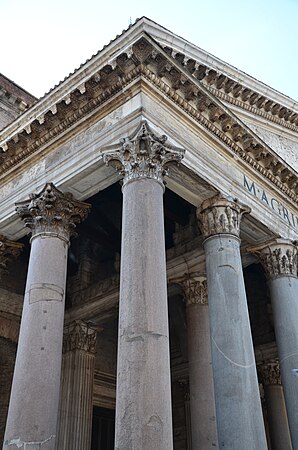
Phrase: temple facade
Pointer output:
(148, 257)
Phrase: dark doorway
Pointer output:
(103, 429)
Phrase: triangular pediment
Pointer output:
(135, 60)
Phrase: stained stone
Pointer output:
(238, 406)
(33, 407)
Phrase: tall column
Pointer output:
(238, 406)
(279, 258)
(202, 404)
(143, 396)
(32, 416)
(275, 405)
(76, 393)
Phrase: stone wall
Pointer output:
(13, 101)
(7, 360)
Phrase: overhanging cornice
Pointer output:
(112, 73)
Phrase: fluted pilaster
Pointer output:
(279, 259)
(76, 393)
(202, 403)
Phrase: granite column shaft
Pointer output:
(32, 416)
(238, 406)
(279, 258)
(202, 403)
(275, 406)
(143, 396)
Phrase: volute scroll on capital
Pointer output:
(143, 155)
(278, 257)
(218, 215)
(52, 211)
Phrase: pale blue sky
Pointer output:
(42, 41)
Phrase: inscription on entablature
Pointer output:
(270, 202)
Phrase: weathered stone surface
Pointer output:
(279, 258)
(220, 216)
(143, 402)
(76, 393)
(275, 405)
(52, 211)
(144, 155)
(201, 394)
(239, 416)
(38, 361)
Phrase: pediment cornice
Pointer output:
(110, 76)
(235, 91)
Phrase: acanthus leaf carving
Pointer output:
(143, 155)
(79, 336)
(278, 257)
(194, 288)
(52, 211)
(270, 373)
(219, 215)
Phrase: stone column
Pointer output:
(143, 399)
(202, 404)
(238, 405)
(76, 393)
(275, 405)
(32, 416)
(279, 258)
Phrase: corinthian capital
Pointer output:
(52, 211)
(143, 155)
(278, 257)
(79, 336)
(194, 289)
(218, 215)
(9, 250)
(270, 373)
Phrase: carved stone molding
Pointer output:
(181, 83)
(143, 155)
(218, 215)
(270, 373)
(9, 250)
(79, 336)
(195, 290)
(52, 211)
(278, 257)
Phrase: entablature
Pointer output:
(143, 59)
